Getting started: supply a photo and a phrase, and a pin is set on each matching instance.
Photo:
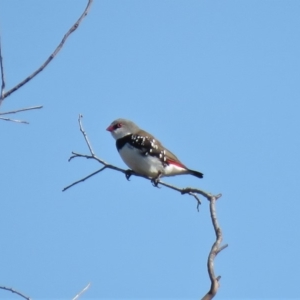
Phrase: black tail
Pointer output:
(196, 173)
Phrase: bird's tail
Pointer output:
(195, 173)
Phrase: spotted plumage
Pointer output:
(147, 146)
(144, 154)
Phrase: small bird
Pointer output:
(144, 154)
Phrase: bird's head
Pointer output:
(122, 127)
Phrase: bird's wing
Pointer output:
(151, 146)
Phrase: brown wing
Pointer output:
(150, 146)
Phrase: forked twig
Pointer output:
(17, 111)
(216, 248)
(14, 291)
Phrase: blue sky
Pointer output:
(218, 83)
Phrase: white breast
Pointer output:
(145, 165)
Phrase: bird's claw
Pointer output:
(155, 181)
(128, 174)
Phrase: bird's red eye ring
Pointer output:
(118, 125)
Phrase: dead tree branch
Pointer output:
(58, 48)
(14, 291)
(216, 247)
(82, 291)
(4, 94)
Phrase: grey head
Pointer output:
(122, 127)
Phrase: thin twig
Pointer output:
(14, 291)
(84, 135)
(101, 161)
(19, 110)
(58, 48)
(82, 291)
(2, 75)
(83, 179)
(186, 191)
(14, 120)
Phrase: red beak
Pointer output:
(110, 128)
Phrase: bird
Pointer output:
(144, 154)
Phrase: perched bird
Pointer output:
(144, 154)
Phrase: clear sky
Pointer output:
(218, 83)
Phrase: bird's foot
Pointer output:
(128, 174)
(155, 180)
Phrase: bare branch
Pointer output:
(58, 48)
(2, 75)
(82, 291)
(19, 110)
(14, 120)
(190, 191)
(14, 291)
(215, 249)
